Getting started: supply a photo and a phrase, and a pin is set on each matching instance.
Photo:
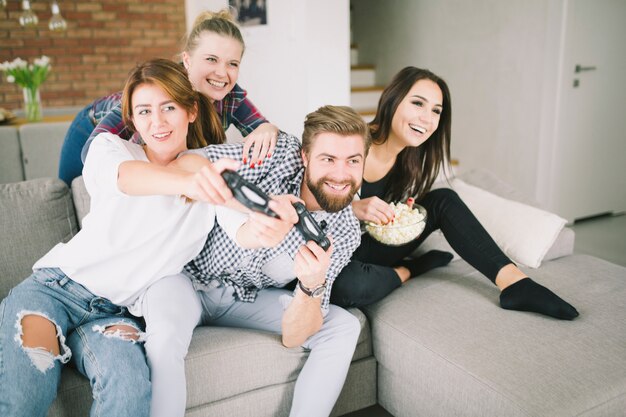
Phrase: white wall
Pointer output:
(500, 60)
(296, 63)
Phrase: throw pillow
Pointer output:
(523, 232)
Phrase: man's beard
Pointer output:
(330, 203)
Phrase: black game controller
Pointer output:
(247, 193)
(255, 199)
(309, 227)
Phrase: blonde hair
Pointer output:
(221, 23)
(342, 120)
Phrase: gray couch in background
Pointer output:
(438, 346)
(32, 150)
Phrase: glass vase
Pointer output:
(32, 104)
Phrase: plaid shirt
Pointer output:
(223, 260)
(235, 108)
(106, 115)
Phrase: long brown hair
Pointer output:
(416, 168)
(172, 78)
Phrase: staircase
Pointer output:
(364, 92)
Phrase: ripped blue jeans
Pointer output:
(114, 362)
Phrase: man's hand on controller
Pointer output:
(312, 262)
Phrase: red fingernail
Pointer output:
(269, 155)
(245, 160)
(251, 165)
(259, 162)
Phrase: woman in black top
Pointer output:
(411, 143)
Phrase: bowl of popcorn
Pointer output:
(409, 222)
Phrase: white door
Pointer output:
(589, 169)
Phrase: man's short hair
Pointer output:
(342, 120)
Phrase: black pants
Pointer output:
(370, 276)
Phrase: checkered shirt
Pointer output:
(223, 260)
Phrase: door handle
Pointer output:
(580, 68)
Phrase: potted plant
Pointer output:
(29, 77)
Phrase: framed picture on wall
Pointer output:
(249, 12)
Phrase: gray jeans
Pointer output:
(321, 379)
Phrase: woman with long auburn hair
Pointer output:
(84, 297)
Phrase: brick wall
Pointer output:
(103, 42)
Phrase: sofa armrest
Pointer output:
(81, 199)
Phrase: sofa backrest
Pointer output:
(31, 150)
(35, 215)
(41, 148)
(11, 169)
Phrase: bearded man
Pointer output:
(248, 259)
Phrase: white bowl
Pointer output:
(401, 231)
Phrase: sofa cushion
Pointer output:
(445, 347)
(247, 360)
(228, 368)
(36, 215)
(525, 233)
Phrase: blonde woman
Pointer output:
(212, 54)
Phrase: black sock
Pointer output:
(527, 295)
(430, 260)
